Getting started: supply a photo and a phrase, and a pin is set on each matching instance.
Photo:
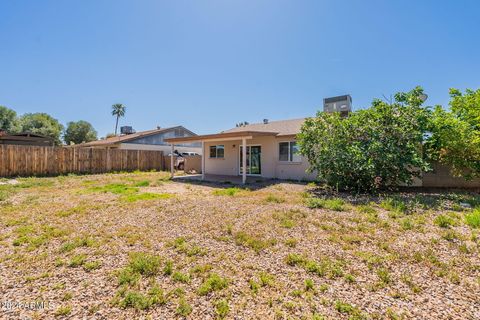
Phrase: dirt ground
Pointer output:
(139, 246)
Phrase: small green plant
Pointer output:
(181, 277)
(168, 268)
(395, 205)
(366, 209)
(115, 188)
(309, 285)
(444, 221)
(384, 275)
(183, 309)
(350, 278)
(335, 204)
(76, 243)
(144, 263)
(144, 183)
(407, 224)
(190, 249)
(140, 301)
(145, 196)
(326, 267)
(473, 219)
(213, 283)
(274, 199)
(353, 312)
(222, 308)
(63, 310)
(91, 265)
(291, 242)
(227, 192)
(266, 279)
(127, 276)
(254, 286)
(256, 243)
(77, 260)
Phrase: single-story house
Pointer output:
(148, 140)
(26, 139)
(267, 150)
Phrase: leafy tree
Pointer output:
(79, 132)
(43, 124)
(8, 120)
(370, 149)
(455, 134)
(118, 110)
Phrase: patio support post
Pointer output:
(244, 160)
(203, 160)
(172, 166)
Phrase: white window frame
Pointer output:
(216, 151)
(289, 155)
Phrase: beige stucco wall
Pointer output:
(271, 166)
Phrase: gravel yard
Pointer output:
(137, 245)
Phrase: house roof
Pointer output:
(281, 127)
(272, 128)
(128, 137)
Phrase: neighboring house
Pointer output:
(148, 140)
(271, 151)
(26, 139)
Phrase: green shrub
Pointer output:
(473, 218)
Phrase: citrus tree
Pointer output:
(455, 134)
(371, 149)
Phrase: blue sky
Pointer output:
(210, 64)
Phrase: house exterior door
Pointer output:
(254, 164)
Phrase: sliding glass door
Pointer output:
(254, 165)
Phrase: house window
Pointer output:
(289, 151)
(217, 151)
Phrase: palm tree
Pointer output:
(118, 110)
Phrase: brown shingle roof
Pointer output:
(282, 127)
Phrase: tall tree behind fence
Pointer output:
(34, 160)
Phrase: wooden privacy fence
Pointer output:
(18, 160)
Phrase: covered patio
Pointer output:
(242, 137)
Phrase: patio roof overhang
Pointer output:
(223, 136)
